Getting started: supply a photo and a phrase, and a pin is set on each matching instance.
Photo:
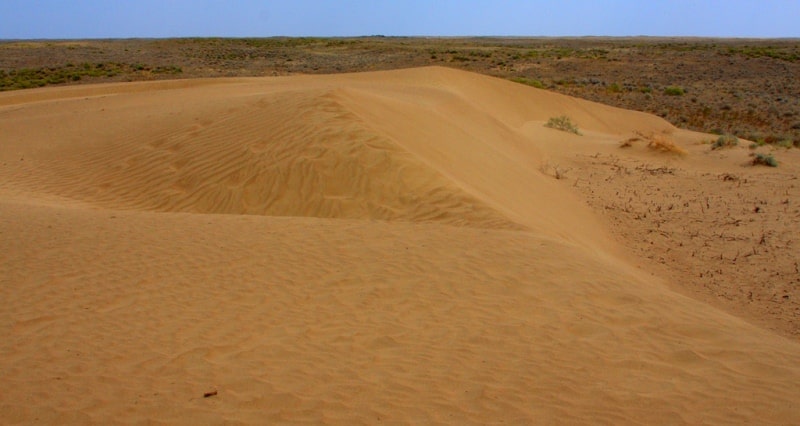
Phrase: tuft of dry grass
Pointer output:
(627, 143)
(657, 143)
(661, 144)
(554, 170)
(725, 141)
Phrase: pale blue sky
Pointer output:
(263, 18)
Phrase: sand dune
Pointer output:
(380, 247)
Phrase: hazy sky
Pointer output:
(245, 18)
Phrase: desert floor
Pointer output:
(407, 246)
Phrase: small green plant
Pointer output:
(674, 91)
(562, 123)
(725, 141)
(764, 160)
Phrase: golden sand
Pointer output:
(357, 248)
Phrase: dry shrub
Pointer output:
(629, 142)
(661, 144)
(563, 123)
(655, 142)
(554, 170)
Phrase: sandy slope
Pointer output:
(351, 248)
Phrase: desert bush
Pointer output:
(725, 141)
(674, 91)
(562, 123)
(764, 160)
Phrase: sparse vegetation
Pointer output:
(773, 52)
(563, 123)
(725, 141)
(27, 78)
(764, 160)
(529, 81)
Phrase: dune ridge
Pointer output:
(293, 154)
(342, 249)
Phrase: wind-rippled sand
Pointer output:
(358, 248)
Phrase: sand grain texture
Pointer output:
(360, 248)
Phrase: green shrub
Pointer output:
(765, 160)
(725, 141)
(563, 123)
(674, 91)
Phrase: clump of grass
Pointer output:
(764, 160)
(562, 123)
(725, 141)
(674, 91)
